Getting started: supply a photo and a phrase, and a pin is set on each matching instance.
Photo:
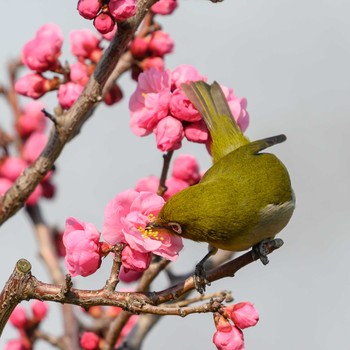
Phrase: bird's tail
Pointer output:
(211, 103)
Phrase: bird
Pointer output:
(244, 198)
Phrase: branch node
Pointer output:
(23, 266)
(67, 286)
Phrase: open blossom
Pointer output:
(41, 53)
(31, 119)
(164, 7)
(182, 108)
(32, 85)
(185, 73)
(150, 102)
(150, 184)
(135, 260)
(242, 314)
(126, 217)
(82, 243)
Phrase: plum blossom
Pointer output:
(68, 93)
(19, 317)
(39, 309)
(85, 44)
(150, 102)
(186, 168)
(41, 53)
(83, 249)
(161, 43)
(169, 134)
(164, 7)
(31, 119)
(33, 146)
(126, 217)
(227, 336)
(32, 85)
(242, 314)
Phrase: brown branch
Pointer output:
(69, 124)
(113, 279)
(23, 286)
(166, 163)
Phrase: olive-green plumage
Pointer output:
(245, 197)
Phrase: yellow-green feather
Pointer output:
(211, 103)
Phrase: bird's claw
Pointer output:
(200, 278)
(262, 248)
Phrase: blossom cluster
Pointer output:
(29, 127)
(41, 55)
(125, 219)
(25, 324)
(160, 106)
(229, 336)
(185, 173)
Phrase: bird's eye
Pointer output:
(175, 227)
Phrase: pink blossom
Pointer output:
(85, 44)
(33, 146)
(5, 184)
(135, 260)
(19, 317)
(169, 134)
(16, 344)
(35, 195)
(42, 52)
(125, 218)
(104, 23)
(149, 184)
(153, 62)
(238, 108)
(32, 119)
(197, 132)
(243, 314)
(174, 185)
(182, 108)
(81, 240)
(164, 7)
(12, 167)
(185, 73)
(90, 341)
(227, 337)
(129, 276)
(79, 73)
(68, 93)
(139, 47)
(150, 102)
(186, 168)
(32, 85)
(89, 8)
(122, 9)
(39, 309)
(161, 43)
(232, 340)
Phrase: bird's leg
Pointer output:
(200, 277)
(261, 249)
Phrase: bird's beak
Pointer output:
(153, 226)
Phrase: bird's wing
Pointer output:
(211, 103)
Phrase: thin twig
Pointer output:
(166, 163)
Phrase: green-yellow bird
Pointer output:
(244, 198)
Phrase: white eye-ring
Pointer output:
(175, 227)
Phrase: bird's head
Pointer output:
(159, 226)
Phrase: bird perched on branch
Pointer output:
(244, 198)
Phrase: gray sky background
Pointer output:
(291, 60)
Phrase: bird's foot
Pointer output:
(200, 278)
(263, 248)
